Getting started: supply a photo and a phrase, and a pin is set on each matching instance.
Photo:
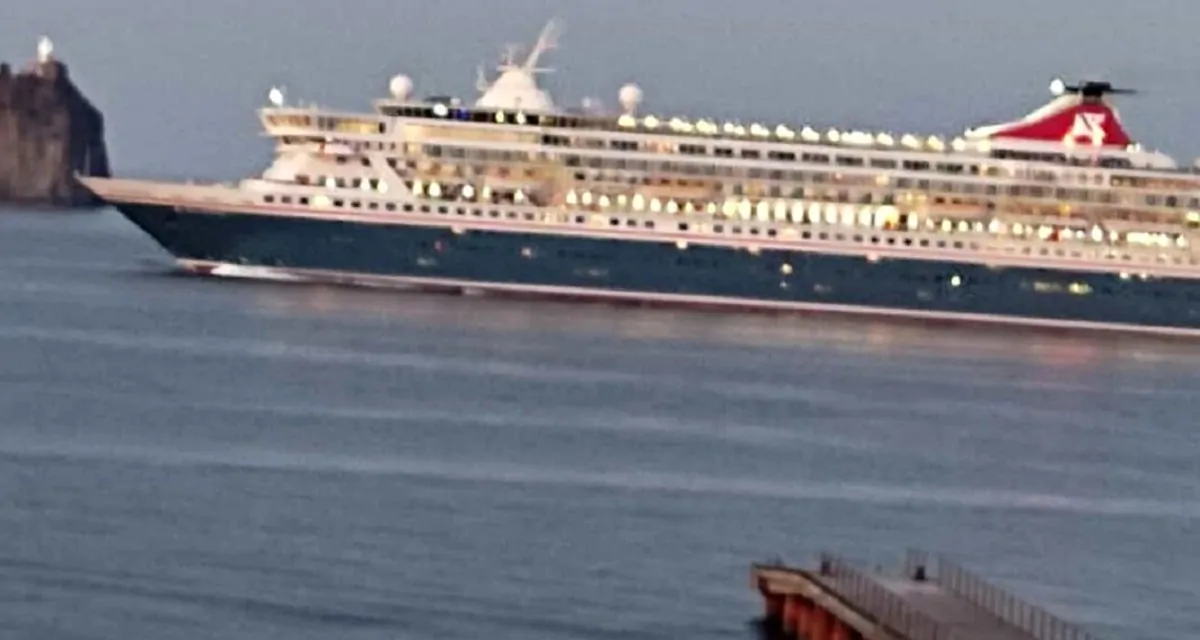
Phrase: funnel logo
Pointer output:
(1088, 126)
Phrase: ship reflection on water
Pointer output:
(1057, 351)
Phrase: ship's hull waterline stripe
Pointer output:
(318, 275)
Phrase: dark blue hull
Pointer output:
(662, 271)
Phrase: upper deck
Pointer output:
(1079, 126)
(939, 601)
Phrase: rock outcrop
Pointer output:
(49, 133)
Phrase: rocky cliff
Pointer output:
(49, 132)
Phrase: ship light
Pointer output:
(994, 226)
(655, 205)
(435, 190)
(784, 133)
(739, 130)
(963, 226)
(639, 202)
(831, 214)
(947, 226)
(814, 213)
(959, 145)
(321, 201)
(866, 217)
(383, 187)
(622, 200)
(467, 192)
(759, 130)
(1079, 288)
(956, 280)
(365, 185)
(885, 139)
(500, 117)
(604, 202)
(711, 208)
(689, 207)
(330, 183)
(520, 118)
(707, 127)
(936, 143)
(1018, 229)
(487, 193)
(1163, 240)
(808, 134)
(586, 199)
(797, 211)
(781, 209)
(1045, 232)
(440, 110)
(860, 138)
(910, 141)
(914, 222)
(730, 208)
(650, 122)
(763, 210)
(519, 196)
(1181, 241)
(744, 209)
(627, 121)
(785, 269)
(847, 216)
(418, 189)
(984, 146)
(572, 198)
(834, 135)
(672, 207)
(887, 216)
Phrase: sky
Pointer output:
(179, 81)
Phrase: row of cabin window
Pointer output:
(1101, 195)
(338, 183)
(733, 228)
(1037, 191)
(1039, 175)
(874, 197)
(848, 160)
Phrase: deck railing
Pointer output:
(888, 609)
(1035, 621)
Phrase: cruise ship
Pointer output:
(1055, 219)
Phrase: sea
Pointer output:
(186, 457)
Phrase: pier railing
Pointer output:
(1033, 620)
(888, 609)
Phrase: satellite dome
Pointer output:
(401, 87)
(630, 97)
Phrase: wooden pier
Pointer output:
(936, 600)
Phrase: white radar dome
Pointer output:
(401, 87)
(630, 97)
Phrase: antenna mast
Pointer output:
(546, 41)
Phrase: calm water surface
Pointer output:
(192, 458)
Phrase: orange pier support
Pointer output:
(936, 600)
